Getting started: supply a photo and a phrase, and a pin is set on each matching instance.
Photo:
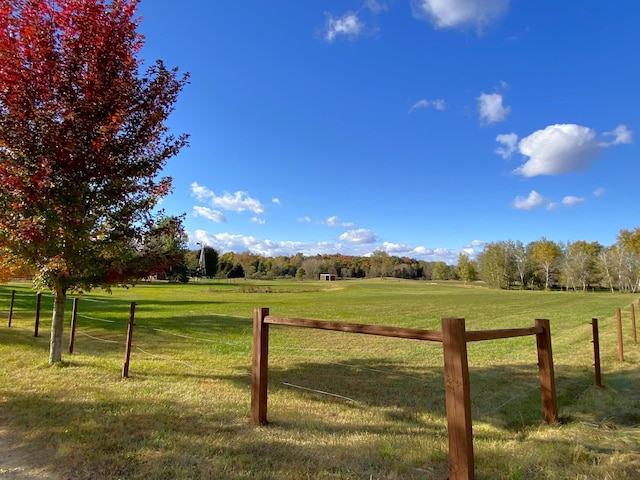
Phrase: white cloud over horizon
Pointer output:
(559, 149)
(358, 236)
(460, 13)
(237, 243)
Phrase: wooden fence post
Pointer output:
(547, 375)
(596, 351)
(13, 299)
(458, 399)
(259, 367)
(634, 332)
(38, 304)
(620, 346)
(72, 334)
(127, 355)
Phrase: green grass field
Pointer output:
(341, 406)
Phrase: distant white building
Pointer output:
(327, 277)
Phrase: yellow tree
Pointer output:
(546, 254)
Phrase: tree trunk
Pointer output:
(57, 324)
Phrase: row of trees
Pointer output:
(577, 265)
(542, 264)
(379, 264)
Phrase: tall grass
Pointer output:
(342, 406)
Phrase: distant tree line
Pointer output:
(542, 264)
(577, 265)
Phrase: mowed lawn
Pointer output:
(341, 406)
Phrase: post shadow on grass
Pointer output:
(505, 396)
(160, 438)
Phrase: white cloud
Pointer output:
(227, 242)
(599, 192)
(491, 109)
(205, 212)
(509, 142)
(396, 248)
(200, 192)
(304, 220)
(348, 25)
(438, 104)
(276, 201)
(238, 202)
(258, 220)
(622, 135)
(534, 200)
(359, 236)
(459, 13)
(334, 221)
(571, 201)
(375, 6)
(558, 149)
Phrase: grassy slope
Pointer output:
(343, 406)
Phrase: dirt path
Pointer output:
(17, 462)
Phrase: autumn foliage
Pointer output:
(82, 140)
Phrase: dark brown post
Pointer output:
(634, 332)
(127, 355)
(547, 376)
(620, 346)
(13, 299)
(458, 399)
(38, 303)
(72, 334)
(596, 351)
(259, 367)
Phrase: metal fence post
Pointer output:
(127, 355)
(38, 304)
(72, 333)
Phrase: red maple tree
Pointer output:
(83, 141)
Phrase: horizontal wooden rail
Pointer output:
(479, 335)
(453, 337)
(381, 330)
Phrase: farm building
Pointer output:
(328, 277)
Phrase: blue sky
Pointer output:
(420, 127)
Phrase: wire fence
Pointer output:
(91, 328)
(101, 330)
